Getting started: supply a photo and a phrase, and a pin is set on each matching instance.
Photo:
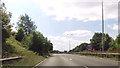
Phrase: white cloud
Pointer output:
(113, 26)
(62, 43)
(82, 10)
(14, 20)
(78, 33)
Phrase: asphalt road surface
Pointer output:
(70, 60)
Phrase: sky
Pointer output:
(67, 22)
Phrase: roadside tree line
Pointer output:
(30, 38)
(27, 34)
(109, 44)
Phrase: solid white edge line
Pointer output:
(39, 63)
(85, 66)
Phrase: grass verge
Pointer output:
(30, 59)
(105, 57)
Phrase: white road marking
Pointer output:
(39, 63)
(85, 66)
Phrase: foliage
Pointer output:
(6, 27)
(108, 42)
(27, 24)
(13, 33)
(6, 30)
(26, 41)
(7, 50)
(96, 41)
(117, 42)
(20, 34)
(40, 44)
(81, 47)
(65, 51)
(55, 51)
(29, 58)
(32, 40)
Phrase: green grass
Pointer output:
(111, 58)
(29, 58)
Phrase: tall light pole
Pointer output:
(69, 44)
(69, 41)
(102, 28)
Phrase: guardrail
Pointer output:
(9, 59)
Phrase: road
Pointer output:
(78, 61)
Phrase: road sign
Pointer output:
(89, 47)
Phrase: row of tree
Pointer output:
(108, 44)
(6, 29)
(30, 38)
(26, 34)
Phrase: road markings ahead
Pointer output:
(85, 66)
(39, 63)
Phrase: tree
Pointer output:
(37, 43)
(40, 44)
(81, 47)
(76, 49)
(27, 41)
(96, 42)
(6, 30)
(6, 27)
(65, 51)
(55, 51)
(108, 42)
(117, 42)
(5, 19)
(50, 47)
(20, 34)
(13, 33)
(27, 24)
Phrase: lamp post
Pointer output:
(69, 41)
(102, 28)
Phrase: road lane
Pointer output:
(75, 60)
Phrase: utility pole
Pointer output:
(102, 28)
(69, 41)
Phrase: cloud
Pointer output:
(113, 26)
(88, 10)
(62, 43)
(14, 19)
(78, 33)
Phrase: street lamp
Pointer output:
(102, 28)
(69, 41)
